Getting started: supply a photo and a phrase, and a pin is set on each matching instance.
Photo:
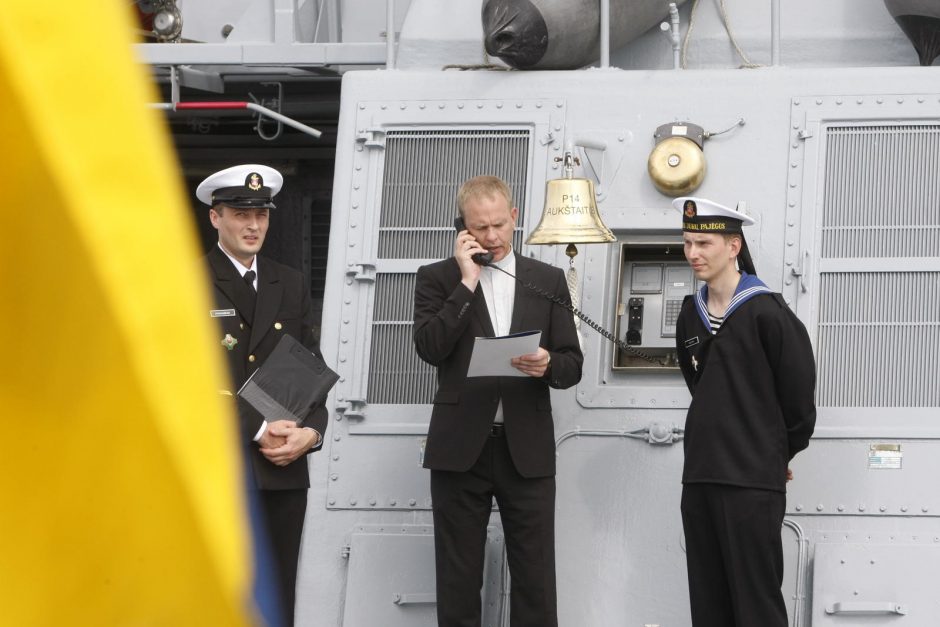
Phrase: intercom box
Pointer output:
(654, 278)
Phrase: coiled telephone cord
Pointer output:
(568, 307)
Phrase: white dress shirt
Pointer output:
(242, 270)
(499, 292)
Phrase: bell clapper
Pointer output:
(572, 252)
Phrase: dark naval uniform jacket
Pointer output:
(245, 340)
(752, 386)
(447, 318)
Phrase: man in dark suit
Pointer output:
(256, 302)
(493, 436)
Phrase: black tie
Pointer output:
(250, 280)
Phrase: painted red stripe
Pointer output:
(211, 105)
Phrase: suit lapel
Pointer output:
(482, 313)
(268, 302)
(226, 278)
(477, 303)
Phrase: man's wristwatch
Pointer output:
(317, 441)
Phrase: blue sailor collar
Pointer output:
(748, 287)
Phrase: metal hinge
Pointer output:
(352, 407)
(362, 271)
(801, 270)
(371, 137)
(804, 133)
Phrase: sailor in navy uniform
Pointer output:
(748, 363)
(256, 302)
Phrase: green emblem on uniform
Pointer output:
(229, 342)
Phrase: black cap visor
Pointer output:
(242, 197)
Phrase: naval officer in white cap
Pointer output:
(748, 363)
(256, 302)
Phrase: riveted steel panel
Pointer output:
(619, 540)
(619, 535)
(378, 471)
(843, 478)
(876, 584)
(391, 582)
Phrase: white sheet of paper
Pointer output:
(491, 355)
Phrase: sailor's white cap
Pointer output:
(246, 186)
(701, 215)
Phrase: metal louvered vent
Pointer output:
(882, 192)
(878, 331)
(397, 374)
(423, 171)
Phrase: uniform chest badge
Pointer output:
(229, 342)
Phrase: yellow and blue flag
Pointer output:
(122, 489)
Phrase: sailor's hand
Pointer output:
(465, 246)
(534, 364)
(297, 441)
(789, 475)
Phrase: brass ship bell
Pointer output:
(570, 215)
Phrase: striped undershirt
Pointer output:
(714, 322)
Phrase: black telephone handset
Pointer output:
(482, 259)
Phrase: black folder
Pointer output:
(290, 382)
